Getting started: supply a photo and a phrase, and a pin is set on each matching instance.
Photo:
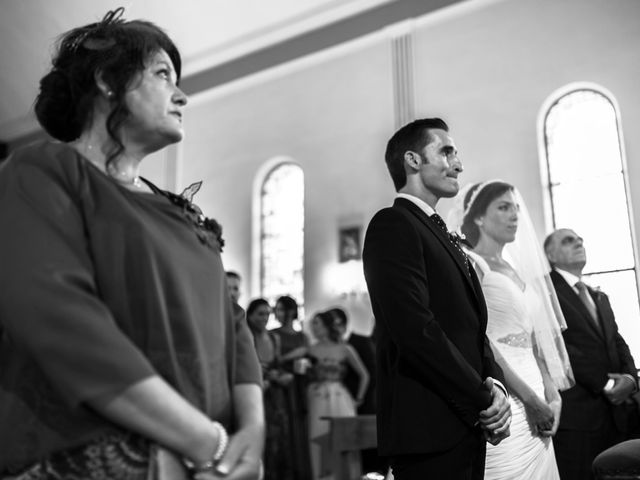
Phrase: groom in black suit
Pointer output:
(438, 402)
(598, 411)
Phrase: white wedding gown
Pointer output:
(522, 455)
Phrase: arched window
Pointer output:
(282, 233)
(587, 192)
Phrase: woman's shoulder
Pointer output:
(50, 158)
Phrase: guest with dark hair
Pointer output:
(435, 369)
(327, 394)
(524, 326)
(120, 343)
(289, 339)
(278, 461)
(286, 313)
(365, 347)
(233, 285)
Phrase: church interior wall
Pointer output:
(488, 73)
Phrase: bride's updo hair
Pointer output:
(114, 50)
(476, 202)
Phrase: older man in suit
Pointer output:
(437, 402)
(598, 411)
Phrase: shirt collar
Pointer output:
(421, 204)
(569, 277)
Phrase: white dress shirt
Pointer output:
(572, 279)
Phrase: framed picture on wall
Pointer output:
(349, 244)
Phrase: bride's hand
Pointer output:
(556, 407)
(539, 414)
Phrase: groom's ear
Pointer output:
(412, 159)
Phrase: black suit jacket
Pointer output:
(365, 349)
(593, 354)
(432, 351)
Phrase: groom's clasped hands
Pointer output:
(495, 419)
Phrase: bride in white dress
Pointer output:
(524, 327)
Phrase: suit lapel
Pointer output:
(442, 238)
(565, 290)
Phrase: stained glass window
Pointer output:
(282, 233)
(587, 192)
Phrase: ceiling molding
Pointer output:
(345, 30)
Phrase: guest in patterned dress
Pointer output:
(289, 338)
(327, 394)
(119, 335)
(278, 462)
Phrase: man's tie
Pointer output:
(437, 219)
(583, 293)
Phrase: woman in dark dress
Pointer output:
(286, 312)
(119, 340)
(278, 462)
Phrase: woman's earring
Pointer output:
(109, 93)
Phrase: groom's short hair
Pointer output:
(414, 136)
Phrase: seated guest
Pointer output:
(598, 411)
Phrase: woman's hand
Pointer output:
(556, 407)
(243, 458)
(284, 378)
(539, 414)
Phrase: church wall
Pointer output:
(487, 72)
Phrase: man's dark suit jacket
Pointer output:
(593, 354)
(432, 351)
(365, 349)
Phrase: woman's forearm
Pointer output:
(293, 354)
(513, 381)
(550, 390)
(247, 401)
(153, 409)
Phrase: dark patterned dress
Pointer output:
(328, 397)
(100, 288)
(278, 462)
(296, 405)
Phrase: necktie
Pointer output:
(583, 293)
(437, 219)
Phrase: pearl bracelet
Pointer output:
(209, 465)
(223, 442)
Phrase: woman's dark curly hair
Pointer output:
(114, 50)
(290, 306)
(253, 306)
(332, 324)
(481, 202)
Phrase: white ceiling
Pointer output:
(207, 32)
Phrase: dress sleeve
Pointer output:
(248, 368)
(50, 305)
